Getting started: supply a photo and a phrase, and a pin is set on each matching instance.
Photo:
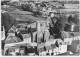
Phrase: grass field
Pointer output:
(24, 15)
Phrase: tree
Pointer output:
(70, 18)
(74, 19)
(60, 24)
(7, 21)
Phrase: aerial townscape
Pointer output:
(40, 28)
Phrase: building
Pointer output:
(40, 31)
(28, 40)
(2, 33)
(15, 50)
(74, 47)
(53, 50)
(69, 41)
(12, 39)
(34, 38)
(11, 33)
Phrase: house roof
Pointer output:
(11, 31)
(14, 28)
(41, 49)
(52, 46)
(24, 31)
(12, 39)
(49, 47)
(26, 36)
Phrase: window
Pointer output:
(18, 54)
(41, 25)
(60, 43)
(48, 50)
(52, 53)
(47, 53)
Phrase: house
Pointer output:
(53, 50)
(16, 50)
(13, 28)
(68, 41)
(31, 51)
(59, 42)
(28, 40)
(47, 50)
(11, 51)
(62, 48)
(11, 33)
(12, 39)
(25, 36)
(41, 51)
(74, 47)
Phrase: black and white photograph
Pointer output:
(40, 28)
